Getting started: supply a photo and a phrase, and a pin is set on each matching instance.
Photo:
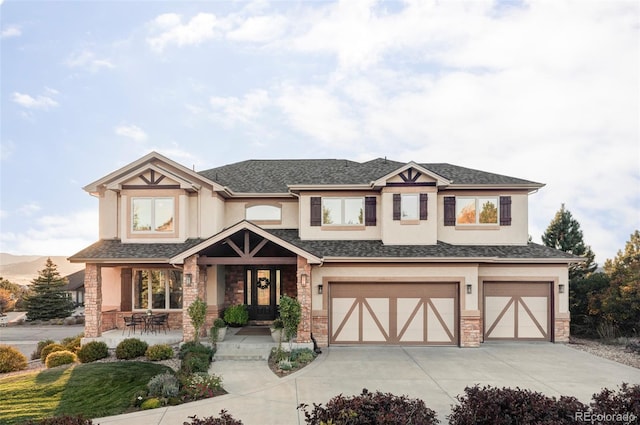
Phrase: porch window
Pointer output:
(157, 289)
(153, 215)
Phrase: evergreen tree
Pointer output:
(564, 234)
(48, 299)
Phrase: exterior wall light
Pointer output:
(469, 289)
(561, 288)
(320, 289)
(188, 279)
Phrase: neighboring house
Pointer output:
(379, 252)
(75, 287)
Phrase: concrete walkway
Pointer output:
(434, 374)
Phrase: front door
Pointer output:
(263, 286)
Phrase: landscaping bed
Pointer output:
(615, 350)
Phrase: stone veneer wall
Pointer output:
(470, 331)
(234, 285)
(562, 329)
(92, 301)
(320, 328)
(304, 297)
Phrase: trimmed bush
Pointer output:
(50, 349)
(92, 351)
(196, 347)
(131, 348)
(501, 406)
(152, 403)
(62, 420)
(11, 360)
(159, 352)
(370, 408)
(59, 358)
(625, 401)
(224, 419)
(194, 362)
(236, 315)
(164, 385)
(41, 344)
(72, 343)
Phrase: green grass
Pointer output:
(93, 390)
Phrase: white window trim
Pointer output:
(153, 208)
(342, 211)
(416, 217)
(478, 209)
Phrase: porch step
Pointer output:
(243, 351)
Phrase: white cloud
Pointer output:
(11, 31)
(39, 102)
(29, 209)
(259, 29)
(232, 109)
(202, 27)
(132, 132)
(87, 59)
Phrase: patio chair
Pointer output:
(132, 322)
(160, 321)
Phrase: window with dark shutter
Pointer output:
(449, 210)
(424, 201)
(316, 211)
(370, 211)
(397, 201)
(505, 210)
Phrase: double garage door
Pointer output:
(428, 313)
(394, 313)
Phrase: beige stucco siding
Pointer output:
(211, 212)
(515, 234)
(403, 232)
(235, 211)
(108, 215)
(111, 288)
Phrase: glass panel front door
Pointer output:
(261, 293)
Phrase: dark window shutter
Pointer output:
(316, 211)
(424, 202)
(397, 200)
(505, 210)
(126, 281)
(449, 210)
(370, 211)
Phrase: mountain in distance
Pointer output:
(22, 269)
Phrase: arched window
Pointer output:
(264, 213)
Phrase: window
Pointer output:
(409, 206)
(342, 211)
(152, 215)
(477, 210)
(157, 289)
(263, 213)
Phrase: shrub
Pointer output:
(11, 360)
(195, 362)
(152, 403)
(498, 406)
(61, 420)
(92, 351)
(370, 408)
(625, 401)
(195, 347)
(236, 315)
(224, 419)
(198, 314)
(164, 385)
(69, 321)
(277, 323)
(50, 349)
(159, 352)
(131, 348)
(59, 358)
(41, 344)
(201, 385)
(72, 343)
(302, 355)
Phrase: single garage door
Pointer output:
(394, 313)
(517, 311)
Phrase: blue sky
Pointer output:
(546, 91)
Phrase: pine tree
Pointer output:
(48, 299)
(564, 234)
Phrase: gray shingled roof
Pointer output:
(274, 176)
(106, 250)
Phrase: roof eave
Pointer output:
(315, 187)
(449, 260)
(118, 260)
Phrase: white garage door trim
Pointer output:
(395, 313)
(517, 311)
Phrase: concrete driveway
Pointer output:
(434, 374)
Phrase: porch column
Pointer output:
(92, 301)
(304, 297)
(190, 292)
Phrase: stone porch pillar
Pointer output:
(92, 301)
(190, 292)
(303, 278)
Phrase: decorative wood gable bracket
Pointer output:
(411, 174)
(153, 182)
(410, 178)
(247, 254)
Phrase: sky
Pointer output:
(548, 91)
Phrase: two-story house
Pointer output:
(379, 252)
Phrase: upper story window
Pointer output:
(409, 206)
(342, 211)
(481, 210)
(153, 215)
(263, 213)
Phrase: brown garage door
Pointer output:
(394, 313)
(517, 311)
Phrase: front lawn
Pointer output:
(93, 390)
